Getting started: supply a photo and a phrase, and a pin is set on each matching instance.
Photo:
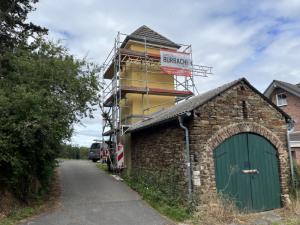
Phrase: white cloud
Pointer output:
(252, 38)
(283, 8)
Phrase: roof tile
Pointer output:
(190, 104)
(182, 107)
(151, 37)
(292, 88)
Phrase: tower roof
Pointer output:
(151, 37)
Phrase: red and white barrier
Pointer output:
(120, 156)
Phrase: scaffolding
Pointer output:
(116, 85)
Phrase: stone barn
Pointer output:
(236, 140)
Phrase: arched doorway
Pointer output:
(246, 169)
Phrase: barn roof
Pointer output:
(151, 37)
(192, 103)
(291, 88)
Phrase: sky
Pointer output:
(256, 39)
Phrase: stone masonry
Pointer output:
(239, 109)
(160, 150)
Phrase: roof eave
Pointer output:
(176, 116)
(184, 115)
(148, 40)
(286, 116)
(276, 84)
(151, 125)
(269, 90)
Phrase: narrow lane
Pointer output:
(92, 197)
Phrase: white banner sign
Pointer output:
(175, 63)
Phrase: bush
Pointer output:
(84, 152)
(297, 175)
(73, 152)
(43, 92)
(159, 189)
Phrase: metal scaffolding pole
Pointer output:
(148, 64)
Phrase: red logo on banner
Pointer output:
(176, 71)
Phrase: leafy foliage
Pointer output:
(43, 92)
(16, 215)
(13, 26)
(73, 152)
(160, 191)
(297, 175)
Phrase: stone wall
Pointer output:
(160, 150)
(237, 110)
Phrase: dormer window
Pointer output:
(281, 99)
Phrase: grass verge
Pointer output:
(218, 210)
(291, 213)
(155, 198)
(102, 166)
(37, 206)
(18, 214)
(159, 201)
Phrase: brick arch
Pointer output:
(221, 135)
(224, 133)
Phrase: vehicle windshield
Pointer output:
(95, 146)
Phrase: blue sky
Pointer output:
(259, 40)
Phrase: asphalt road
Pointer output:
(92, 197)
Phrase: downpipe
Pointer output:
(291, 124)
(187, 153)
(291, 159)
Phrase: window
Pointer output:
(281, 99)
(95, 146)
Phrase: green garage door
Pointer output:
(246, 169)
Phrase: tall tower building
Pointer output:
(144, 73)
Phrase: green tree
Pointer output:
(45, 91)
(68, 151)
(14, 27)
